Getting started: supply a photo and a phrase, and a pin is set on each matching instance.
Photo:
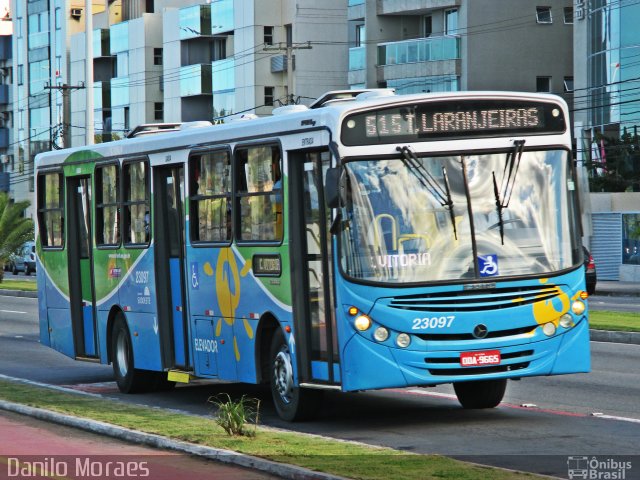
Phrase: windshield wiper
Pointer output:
(503, 195)
(429, 182)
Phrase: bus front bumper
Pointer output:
(369, 365)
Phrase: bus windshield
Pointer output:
(416, 219)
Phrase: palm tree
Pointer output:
(14, 228)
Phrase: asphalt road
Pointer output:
(540, 424)
(615, 303)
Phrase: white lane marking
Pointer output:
(622, 419)
(12, 311)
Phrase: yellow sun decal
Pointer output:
(545, 311)
(228, 293)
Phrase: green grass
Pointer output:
(620, 321)
(338, 458)
(24, 285)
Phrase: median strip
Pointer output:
(332, 457)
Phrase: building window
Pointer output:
(451, 22)
(259, 194)
(158, 111)
(289, 31)
(543, 84)
(20, 74)
(51, 209)
(543, 15)
(268, 35)
(157, 56)
(135, 208)
(107, 197)
(568, 15)
(211, 196)
(360, 35)
(427, 26)
(568, 84)
(268, 96)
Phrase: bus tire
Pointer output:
(129, 379)
(292, 403)
(480, 394)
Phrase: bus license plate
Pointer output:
(477, 359)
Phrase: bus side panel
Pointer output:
(222, 287)
(144, 338)
(61, 331)
(137, 297)
(42, 303)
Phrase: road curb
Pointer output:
(615, 337)
(282, 470)
(17, 293)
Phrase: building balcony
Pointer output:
(357, 58)
(417, 7)
(419, 50)
(223, 75)
(356, 10)
(101, 43)
(195, 80)
(119, 92)
(206, 20)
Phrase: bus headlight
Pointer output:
(578, 307)
(566, 320)
(403, 340)
(549, 329)
(362, 323)
(381, 334)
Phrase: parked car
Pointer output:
(590, 271)
(24, 260)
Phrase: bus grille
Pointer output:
(475, 300)
(449, 337)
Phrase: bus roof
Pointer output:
(327, 115)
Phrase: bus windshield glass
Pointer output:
(466, 216)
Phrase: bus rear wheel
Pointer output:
(292, 403)
(480, 394)
(128, 378)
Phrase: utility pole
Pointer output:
(65, 89)
(288, 48)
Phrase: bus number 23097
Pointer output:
(433, 322)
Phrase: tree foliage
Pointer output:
(615, 163)
(14, 228)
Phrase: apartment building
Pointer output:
(444, 45)
(161, 61)
(6, 113)
(606, 121)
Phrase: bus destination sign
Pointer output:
(441, 120)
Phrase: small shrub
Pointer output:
(235, 416)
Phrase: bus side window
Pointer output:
(136, 203)
(51, 209)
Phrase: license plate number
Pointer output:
(478, 359)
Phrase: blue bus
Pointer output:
(369, 241)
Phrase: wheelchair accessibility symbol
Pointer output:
(195, 280)
(488, 265)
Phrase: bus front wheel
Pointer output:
(292, 403)
(480, 394)
(129, 379)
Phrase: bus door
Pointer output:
(169, 225)
(80, 257)
(313, 296)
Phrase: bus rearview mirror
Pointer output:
(331, 187)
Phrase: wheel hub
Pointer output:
(122, 357)
(283, 376)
